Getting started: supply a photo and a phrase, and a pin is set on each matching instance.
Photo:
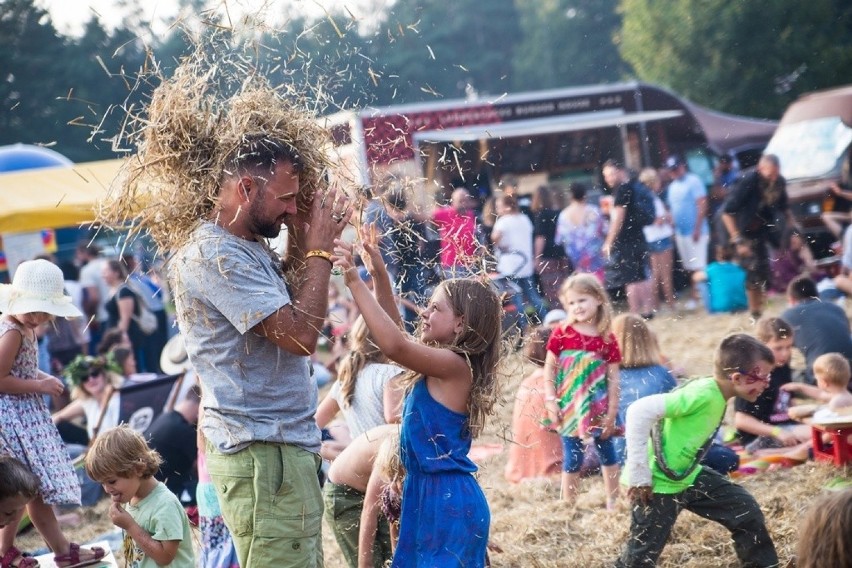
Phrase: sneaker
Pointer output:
(690, 305)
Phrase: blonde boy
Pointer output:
(832, 374)
(156, 528)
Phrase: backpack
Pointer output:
(644, 211)
(144, 317)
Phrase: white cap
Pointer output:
(554, 316)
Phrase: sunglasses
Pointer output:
(752, 378)
(92, 374)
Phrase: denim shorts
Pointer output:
(573, 449)
(661, 245)
(271, 501)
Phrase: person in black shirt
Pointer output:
(173, 434)
(755, 215)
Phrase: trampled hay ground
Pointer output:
(536, 530)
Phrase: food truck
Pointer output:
(542, 136)
(814, 145)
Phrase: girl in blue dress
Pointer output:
(451, 389)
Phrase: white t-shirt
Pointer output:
(92, 410)
(367, 408)
(91, 276)
(515, 248)
(663, 230)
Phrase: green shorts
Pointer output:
(343, 505)
(271, 502)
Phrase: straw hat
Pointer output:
(173, 359)
(38, 286)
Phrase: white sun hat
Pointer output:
(173, 359)
(38, 286)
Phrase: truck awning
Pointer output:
(49, 198)
(539, 126)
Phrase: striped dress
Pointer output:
(581, 381)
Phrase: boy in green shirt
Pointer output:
(156, 528)
(667, 477)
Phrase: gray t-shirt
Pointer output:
(252, 389)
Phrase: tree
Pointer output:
(566, 42)
(435, 50)
(31, 59)
(749, 58)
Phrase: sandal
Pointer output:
(73, 557)
(23, 561)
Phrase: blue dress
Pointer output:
(445, 517)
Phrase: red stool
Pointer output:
(838, 450)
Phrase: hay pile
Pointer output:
(536, 530)
(181, 140)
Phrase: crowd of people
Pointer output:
(248, 447)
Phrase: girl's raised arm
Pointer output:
(436, 362)
(373, 262)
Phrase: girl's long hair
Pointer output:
(362, 352)
(389, 462)
(638, 344)
(584, 283)
(479, 343)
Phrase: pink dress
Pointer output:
(536, 453)
(28, 433)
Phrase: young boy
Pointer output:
(832, 374)
(156, 528)
(766, 423)
(667, 479)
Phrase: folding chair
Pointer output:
(142, 401)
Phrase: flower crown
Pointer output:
(78, 369)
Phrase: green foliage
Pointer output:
(56, 90)
(744, 57)
(750, 58)
(567, 43)
(436, 50)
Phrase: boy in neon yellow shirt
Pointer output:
(666, 477)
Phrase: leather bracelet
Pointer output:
(319, 253)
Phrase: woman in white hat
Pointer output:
(27, 433)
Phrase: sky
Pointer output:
(69, 16)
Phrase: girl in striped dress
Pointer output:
(581, 383)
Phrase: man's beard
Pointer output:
(261, 226)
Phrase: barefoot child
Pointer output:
(450, 392)
(581, 374)
(344, 494)
(155, 525)
(382, 501)
(670, 479)
(27, 432)
(832, 374)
